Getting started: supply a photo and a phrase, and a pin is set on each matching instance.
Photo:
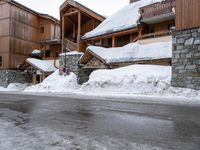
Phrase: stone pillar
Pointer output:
(72, 63)
(186, 59)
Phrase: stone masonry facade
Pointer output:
(186, 59)
(72, 63)
(13, 76)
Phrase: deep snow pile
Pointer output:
(14, 87)
(135, 80)
(125, 18)
(55, 83)
(134, 52)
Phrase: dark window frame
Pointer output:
(42, 29)
(1, 61)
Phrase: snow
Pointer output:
(36, 51)
(72, 53)
(147, 80)
(51, 134)
(13, 87)
(125, 18)
(55, 83)
(134, 52)
(43, 65)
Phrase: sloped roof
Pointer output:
(42, 65)
(81, 7)
(126, 18)
(129, 53)
(21, 6)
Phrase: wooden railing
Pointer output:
(155, 34)
(69, 44)
(157, 8)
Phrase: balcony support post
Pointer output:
(63, 33)
(79, 31)
(113, 41)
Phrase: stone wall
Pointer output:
(73, 66)
(186, 59)
(13, 76)
(83, 74)
(71, 62)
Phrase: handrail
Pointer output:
(69, 44)
(155, 34)
(157, 8)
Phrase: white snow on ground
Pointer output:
(25, 137)
(134, 52)
(148, 80)
(55, 83)
(14, 87)
(125, 18)
(137, 80)
(43, 65)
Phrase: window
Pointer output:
(98, 43)
(41, 46)
(42, 29)
(0, 61)
(171, 26)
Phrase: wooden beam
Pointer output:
(79, 31)
(71, 13)
(120, 33)
(140, 32)
(113, 41)
(74, 31)
(63, 32)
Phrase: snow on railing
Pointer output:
(157, 8)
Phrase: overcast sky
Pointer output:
(51, 7)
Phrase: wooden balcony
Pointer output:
(155, 34)
(157, 9)
(69, 45)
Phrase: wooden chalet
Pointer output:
(23, 30)
(155, 25)
(157, 20)
(76, 20)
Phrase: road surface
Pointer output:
(52, 123)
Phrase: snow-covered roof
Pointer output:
(72, 53)
(134, 52)
(43, 65)
(36, 51)
(125, 18)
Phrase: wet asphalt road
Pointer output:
(98, 124)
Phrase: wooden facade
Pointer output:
(49, 37)
(187, 14)
(20, 32)
(76, 21)
(157, 20)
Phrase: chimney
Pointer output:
(132, 1)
